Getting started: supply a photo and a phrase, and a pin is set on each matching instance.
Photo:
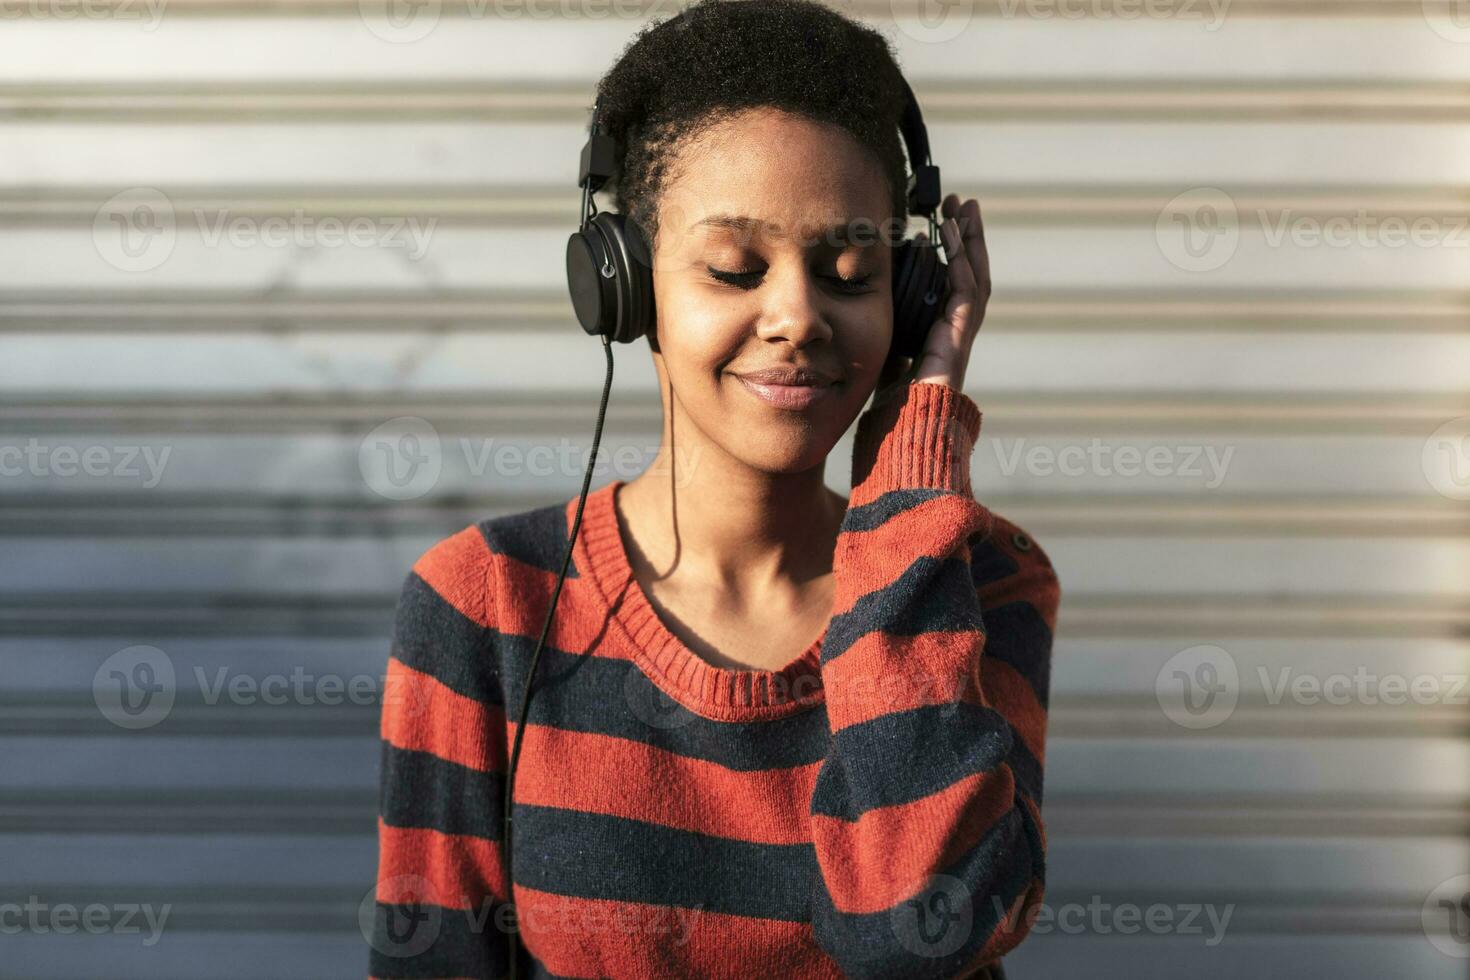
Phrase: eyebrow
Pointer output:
(746, 223)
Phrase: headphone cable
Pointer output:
(514, 945)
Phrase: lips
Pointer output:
(788, 375)
(788, 387)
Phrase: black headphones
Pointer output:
(610, 275)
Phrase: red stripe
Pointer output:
(421, 865)
(890, 548)
(422, 714)
(600, 938)
(1021, 914)
(693, 794)
(465, 573)
(1019, 918)
(887, 855)
(1012, 695)
(456, 568)
(882, 673)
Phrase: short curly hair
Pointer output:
(720, 57)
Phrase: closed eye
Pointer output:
(749, 280)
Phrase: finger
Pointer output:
(962, 283)
(950, 206)
(973, 228)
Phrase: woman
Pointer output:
(776, 732)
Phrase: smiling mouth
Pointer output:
(790, 397)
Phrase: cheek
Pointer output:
(697, 336)
(870, 335)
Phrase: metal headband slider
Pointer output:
(599, 161)
(923, 194)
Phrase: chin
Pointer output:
(788, 460)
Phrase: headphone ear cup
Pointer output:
(920, 294)
(594, 296)
(610, 278)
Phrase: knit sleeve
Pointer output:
(440, 888)
(926, 816)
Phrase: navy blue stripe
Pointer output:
(940, 930)
(421, 790)
(1024, 767)
(988, 563)
(604, 696)
(908, 755)
(426, 940)
(1018, 636)
(537, 538)
(580, 692)
(932, 594)
(596, 856)
(433, 637)
(876, 513)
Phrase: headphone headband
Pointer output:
(600, 160)
(609, 260)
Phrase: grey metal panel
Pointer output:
(1324, 549)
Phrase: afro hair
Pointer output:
(720, 57)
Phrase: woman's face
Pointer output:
(774, 251)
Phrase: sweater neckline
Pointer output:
(722, 693)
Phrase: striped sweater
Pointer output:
(870, 810)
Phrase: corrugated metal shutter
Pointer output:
(1239, 444)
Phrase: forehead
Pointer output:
(772, 174)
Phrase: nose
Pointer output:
(793, 306)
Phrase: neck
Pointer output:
(716, 521)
